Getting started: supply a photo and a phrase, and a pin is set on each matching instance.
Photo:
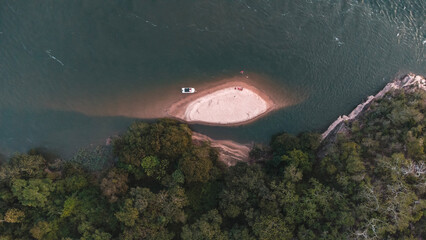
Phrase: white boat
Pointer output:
(188, 90)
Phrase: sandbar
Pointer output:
(229, 103)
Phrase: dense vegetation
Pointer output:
(367, 184)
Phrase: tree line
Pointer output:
(367, 184)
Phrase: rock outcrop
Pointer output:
(409, 82)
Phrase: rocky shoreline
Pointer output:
(408, 82)
(231, 152)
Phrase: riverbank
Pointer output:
(409, 82)
(230, 152)
(233, 102)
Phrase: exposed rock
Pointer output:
(409, 83)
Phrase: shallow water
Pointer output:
(67, 68)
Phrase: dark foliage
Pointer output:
(370, 184)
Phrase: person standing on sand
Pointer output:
(242, 73)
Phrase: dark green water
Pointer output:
(60, 56)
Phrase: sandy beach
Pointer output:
(216, 102)
(230, 152)
(230, 103)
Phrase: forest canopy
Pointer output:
(367, 183)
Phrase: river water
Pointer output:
(70, 69)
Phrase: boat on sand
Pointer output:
(188, 90)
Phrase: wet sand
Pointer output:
(259, 97)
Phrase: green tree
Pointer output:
(244, 187)
(351, 156)
(196, 165)
(293, 174)
(88, 232)
(33, 192)
(74, 179)
(207, 227)
(298, 159)
(154, 167)
(271, 228)
(23, 166)
(128, 213)
(166, 139)
(146, 214)
(281, 144)
(178, 176)
(309, 142)
(41, 229)
(69, 206)
(415, 147)
(240, 233)
(114, 184)
(14, 215)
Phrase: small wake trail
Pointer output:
(48, 52)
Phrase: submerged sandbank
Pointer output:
(216, 102)
(233, 102)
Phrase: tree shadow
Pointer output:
(47, 154)
(3, 159)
